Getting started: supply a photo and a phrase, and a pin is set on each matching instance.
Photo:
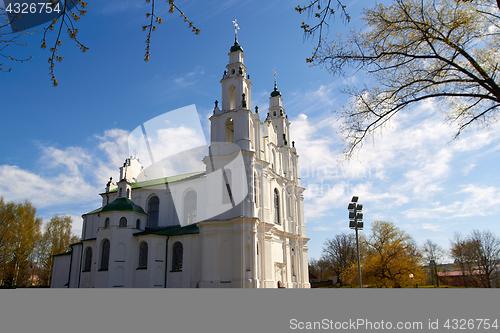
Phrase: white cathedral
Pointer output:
(237, 224)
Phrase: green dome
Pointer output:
(236, 47)
(275, 92)
(124, 205)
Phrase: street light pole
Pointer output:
(355, 223)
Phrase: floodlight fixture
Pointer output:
(354, 217)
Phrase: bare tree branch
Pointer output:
(323, 10)
(417, 50)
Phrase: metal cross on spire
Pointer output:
(236, 27)
(274, 71)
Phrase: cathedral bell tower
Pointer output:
(236, 85)
(233, 141)
(277, 117)
(232, 122)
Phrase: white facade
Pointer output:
(190, 231)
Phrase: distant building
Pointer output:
(461, 279)
(140, 238)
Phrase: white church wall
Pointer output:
(91, 226)
(61, 265)
(240, 247)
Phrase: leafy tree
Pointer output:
(340, 253)
(21, 232)
(391, 256)
(7, 216)
(25, 252)
(56, 239)
(444, 51)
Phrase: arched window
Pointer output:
(138, 224)
(153, 212)
(232, 98)
(106, 223)
(88, 259)
(177, 257)
(255, 189)
(293, 262)
(104, 256)
(120, 192)
(123, 222)
(143, 255)
(227, 187)
(128, 193)
(190, 207)
(229, 130)
(276, 206)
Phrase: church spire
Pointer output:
(236, 46)
(236, 27)
(275, 92)
(236, 85)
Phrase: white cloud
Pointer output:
(468, 168)
(190, 78)
(66, 176)
(430, 226)
(323, 228)
(19, 184)
(409, 163)
(114, 145)
(473, 200)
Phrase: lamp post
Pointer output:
(355, 217)
(411, 278)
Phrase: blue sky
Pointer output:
(61, 144)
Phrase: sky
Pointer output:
(59, 145)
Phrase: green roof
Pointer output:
(62, 254)
(158, 181)
(236, 47)
(124, 205)
(275, 92)
(171, 231)
(165, 180)
(95, 211)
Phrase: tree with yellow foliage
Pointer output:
(20, 232)
(57, 238)
(25, 252)
(389, 258)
